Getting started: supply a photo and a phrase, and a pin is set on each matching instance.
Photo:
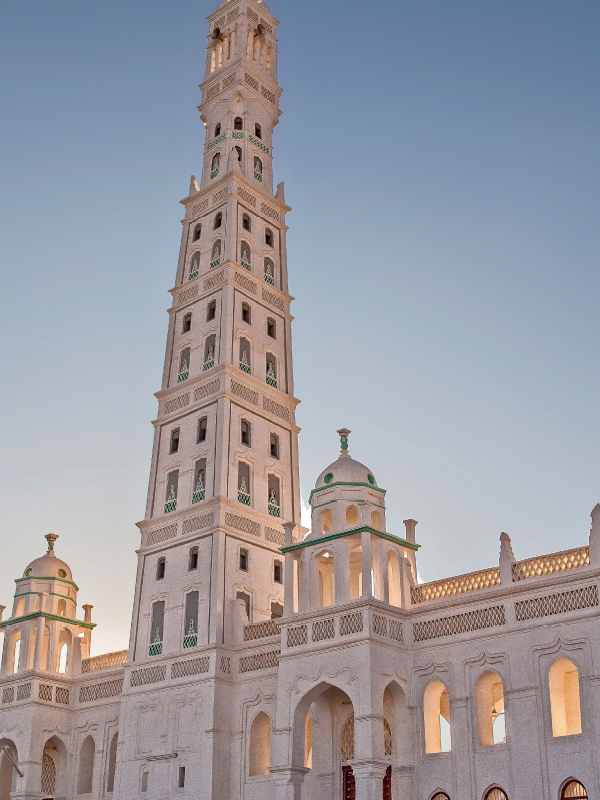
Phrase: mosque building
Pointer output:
(267, 662)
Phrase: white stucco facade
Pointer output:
(267, 662)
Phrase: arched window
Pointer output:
(61, 609)
(269, 243)
(440, 796)
(270, 271)
(325, 521)
(161, 566)
(238, 152)
(215, 258)
(308, 740)
(20, 607)
(8, 756)
(157, 624)
(112, 764)
(193, 559)
(274, 503)
(194, 266)
(277, 576)
(271, 370)
(245, 356)
(244, 493)
(490, 709)
(436, 716)
(238, 124)
(274, 445)
(202, 428)
(246, 313)
(496, 794)
(210, 346)
(171, 491)
(246, 256)
(63, 659)
(14, 653)
(246, 224)
(260, 745)
(211, 310)
(190, 630)
(184, 365)
(258, 168)
(174, 440)
(376, 520)
(218, 221)
(352, 515)
(199, 492)
(325, 564)
(347, 739)
(186, 327)
(573, 790)
(217, 128)
(271, 328)
(393, 568)
(565, 705)
(48, 775)
(214, 167)
(257, 131)
(246, 433)
(197, 232)
(85, 776)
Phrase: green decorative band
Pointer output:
(258, 143)
(36, 614)
(345, 483)
(237, 134)
(388, 536)
(58, 580)
(216, 141)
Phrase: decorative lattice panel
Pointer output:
(242, 524)
(141, 677)
(260, 661)
(547, 565)
(347, 739)
(62, 695)
(189, 294)
(551, 604)
(107, 660)
(276, 408)
(8, 695)
(270, 212)
(100, 691)
(459, 623)
(471, 582)
(244, 392)
(351, 623)
(213, 281)
(220, 195)
(380, 625)
(387, 738)
(197, 523)
(245, 283)
(192, 666)
(206, 390)
(225, 664)
(23, 691)
(48, 775)
(396, 630)
(259, 630)
(273, 300)
(45, 692)
(323, 629)
(161, 535)
(273, 535)
(176, 403)
(297, 635)
(249, 198)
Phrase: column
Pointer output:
(461, 733)
(365, 543)
(288, 782)
(288, 578)
(369, 774)
(341, 555)
(39, 637)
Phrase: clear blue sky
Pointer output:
(442, 162)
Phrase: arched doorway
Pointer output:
(573, 790)
(52, 778)
(8, 772)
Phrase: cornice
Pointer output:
(43, 614)
(381, 534)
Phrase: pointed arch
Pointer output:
(8, 757)
(112, 763)
(573, 790)
(352, 517)
(565, 703)
(495, 793)
(490, 710)
(436, 718)
(85, 774)
(260, 745)
(347, 739)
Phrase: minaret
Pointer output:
(224, 474)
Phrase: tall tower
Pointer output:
(224, 472)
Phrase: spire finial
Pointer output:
(51, 538)
(343, 434)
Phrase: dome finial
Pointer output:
(343, 434)
(51, 538)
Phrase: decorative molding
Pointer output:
(206, 389)
(246, 196)
(459, 623)
(244, 392)
(259, 661)
(242, 524)
(197, 523)
(271, 298)
(181, 401)
(142, 677)
(276, 408)
(213, 280)
(101, 691)
(161, 534)
(550, 604)
(191, 666)
(270, 212)
(188, 294)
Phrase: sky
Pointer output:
(441, 160)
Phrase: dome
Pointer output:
(49, 566)
(345, 469)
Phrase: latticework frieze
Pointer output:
(276, 408)
(470, 582)
(187, 295)
(242, 524)
(245, 283)
(61, 695)
(547, 606)
(323, 629)
(225, 664)
(259, 630)
(206, 389)
(260, 661)
(351, 623)
(244, 392)
(297, 635)
(249, 198)
(379, 625)
(547, 565)
(108, 659)
(24, 691)
(273, 299)
(8, 694)
(101, 691)
(159, 535)
(197, 523)
(181, 401)
(45, 692)
(274, 535)
(191, 666)
(142, 677)
(395, 630)
(347, 739)
(213, 281)
(459, 623)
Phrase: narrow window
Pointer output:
(202, 426)
(187, 324)
(269, 237)
(193, 559)
(352, 515)
(174, 445)
(199, 492)
(246, 313)
(157, 623)
(144, 782)
(276, 610)
(246, 225)
(274, 505)
(245, 356)
(565, 706)
(211, 310)
(246, 256)
(490, 709)
(190, 631)
(161, 566)
(274, 445)
(257, 131)
(181, 778)
(246, 429)
(218, 221)
(271, 371)
(238, 152)
(194, 266)
(209, 352)
(171, 492)
(277, 572)
(215, 258)
(197, 232)
(271, 328)
(436, 712)
(245, 598)
(214, 167)
(63, 660)
(184, 365)
(243, 559)
(270, 271)
(258, 168)
(260, 745)
(85, 777)
(217, 128)
(244, 483)
(112, 764)
(62, 608)
(238, 124)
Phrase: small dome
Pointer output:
(345, 469)
(49, 566)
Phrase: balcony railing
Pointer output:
(155, 648)
(258, 175)
(171, 503)
(269, 277)
(246, 264)
(243, 497)
(216, 141)
(270, 378)
(183, 375)
(194, 273)
(210, 362)
(214, 173)
(104, 661)
(274, 510)
(215, 262)
(259, 144)
(198, 496)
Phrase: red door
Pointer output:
(348, 784)
(387, 784)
